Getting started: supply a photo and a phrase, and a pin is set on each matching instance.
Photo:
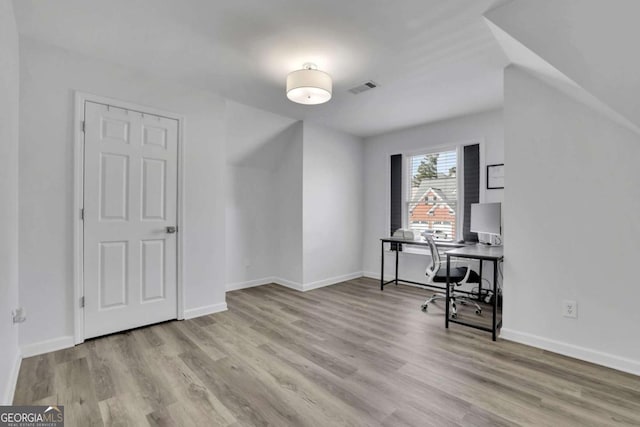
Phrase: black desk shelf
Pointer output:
(396, 280)
(457, 250)
(482, 253)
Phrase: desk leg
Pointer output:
(495, 299)
(480, 284)
(381, 266)
(446, 300)
(397, 252)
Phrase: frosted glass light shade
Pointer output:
(309, 86)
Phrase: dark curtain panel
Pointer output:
(396, 195)
(471, 187)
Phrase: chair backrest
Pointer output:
(433, 268)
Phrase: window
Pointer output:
(432, 192)
(432, 199)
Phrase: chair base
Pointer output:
(435, 297)
(454, 308)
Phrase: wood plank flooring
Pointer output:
(347, 354)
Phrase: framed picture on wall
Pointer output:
(495, 176)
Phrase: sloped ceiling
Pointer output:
(255, 137)
(593, 43)
(433, 59)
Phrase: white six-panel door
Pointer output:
(130, 200)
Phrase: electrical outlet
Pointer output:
(19, 315)
(570, 309)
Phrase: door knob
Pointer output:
(171, 229)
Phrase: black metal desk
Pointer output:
(445, 245)
(482, 253)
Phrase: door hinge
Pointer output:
(82, 125)
(81, 302)
(82, 214)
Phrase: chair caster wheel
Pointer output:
(478, 312)
(423, 307)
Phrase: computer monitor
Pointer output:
(485, 218)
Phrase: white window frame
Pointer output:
(406, 182)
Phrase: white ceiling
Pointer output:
(433, 59)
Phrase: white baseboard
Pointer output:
(204, 310)
(376, 275)
(289, 284)
(47, 346)
(582, 353)
(10, 389)
(249, 283)
(331, 281)
(302, 287)
(370, 274)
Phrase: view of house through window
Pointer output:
(433, 197)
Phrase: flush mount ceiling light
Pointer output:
(309, 86)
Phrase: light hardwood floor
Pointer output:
(347, 354)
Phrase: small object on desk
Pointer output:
(406, 234)
(486, 219)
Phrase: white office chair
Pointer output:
(437, 273)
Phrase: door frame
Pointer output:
(78, 202)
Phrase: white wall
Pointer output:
(294, 202)
(256, 141)
(251, 226)
(332, 205)
(571, 223)
(486, 127)
(9, 84)
(288, 196)
(49, 77)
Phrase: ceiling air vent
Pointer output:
(363, 87)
